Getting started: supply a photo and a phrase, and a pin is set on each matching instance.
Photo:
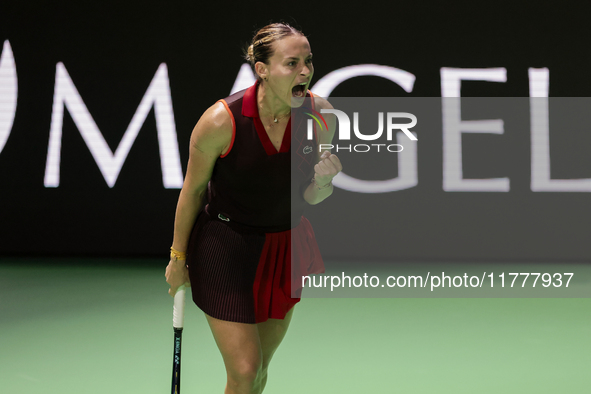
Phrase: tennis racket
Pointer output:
(177, 324)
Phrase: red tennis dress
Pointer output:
(251, 245)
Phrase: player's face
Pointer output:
(290, 69)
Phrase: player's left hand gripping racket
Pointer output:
(177, 323)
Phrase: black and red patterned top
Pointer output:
(255, 185)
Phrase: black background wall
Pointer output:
(112, 51)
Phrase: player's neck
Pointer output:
(270, 105)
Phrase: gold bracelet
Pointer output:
(176, 255)
(321, 187)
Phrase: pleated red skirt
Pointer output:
(244, 275)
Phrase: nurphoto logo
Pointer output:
(344, 130)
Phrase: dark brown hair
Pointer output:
(261, 47)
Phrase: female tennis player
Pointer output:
(238, 223)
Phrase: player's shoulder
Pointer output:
(215, 126)
(321, 102)
(325, 135)
(218, 116)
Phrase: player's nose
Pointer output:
(306, 71)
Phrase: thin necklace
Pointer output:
(281, 117)
(277, 118)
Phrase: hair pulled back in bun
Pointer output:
(261, 46)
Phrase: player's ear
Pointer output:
(261, 69)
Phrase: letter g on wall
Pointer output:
(8, 93)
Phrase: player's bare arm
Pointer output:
(328, 165)
(210, 138)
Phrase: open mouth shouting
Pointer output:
(299, 90)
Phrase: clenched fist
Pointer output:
(327, 168)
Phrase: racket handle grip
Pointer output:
(178, 312)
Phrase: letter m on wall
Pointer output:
(109, 163)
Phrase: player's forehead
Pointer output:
(295, 46)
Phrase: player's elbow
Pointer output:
(194, 191)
